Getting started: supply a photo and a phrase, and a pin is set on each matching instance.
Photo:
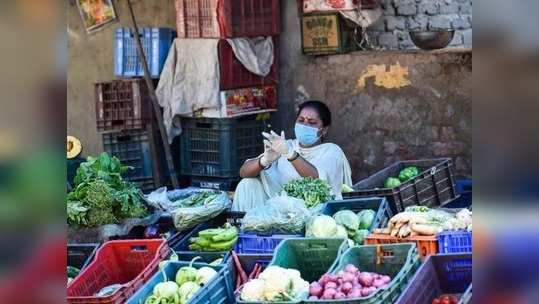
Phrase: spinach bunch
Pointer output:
(312, 191)
(100, 196)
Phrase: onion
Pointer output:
(339, 295)
(332, 277)
(346, 287)
(331, 285)
(340, 281)
(366, 291)
(386, 279)
(354, 293)
(351, 268)
(315, 289)
(377, 283)
(340, 274)
(348, 277)
(365, 279)
(324, 279)
(328, 294)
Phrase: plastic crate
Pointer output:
(80, 255)
(182, 247)
(311, 257)
(455, 242)
(122, 105)
(399, 261)
(156, 43)
(377, 204)
(233, 75)
(227, 18)
(248, 262)
(216, 291)
(426, 245)
(440, 274)
(433, 187)
(214, 147)
(260, 244)
(127, 262)
(467, 296)
(142, 150)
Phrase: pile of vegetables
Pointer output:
(445, 299)
(241, 275)
(215, 239)
(405, 175)
(349, 283)
(275, 284)
(420, 220)
(344, 224)
(197, 200)
(312, 191)
(188, 281)
(100, 196)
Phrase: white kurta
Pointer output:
(328, 159)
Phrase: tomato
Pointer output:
(435, 301)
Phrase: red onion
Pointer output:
(339, 295)
(328, 294)
(346, 287)
(365, 279)
(351, 268)
(315, 289)
(354, 293)
(331, 285)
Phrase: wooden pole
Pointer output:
(155, 103)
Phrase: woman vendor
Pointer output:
(285, 160)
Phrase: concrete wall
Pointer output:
(386, 105)
(91, 60)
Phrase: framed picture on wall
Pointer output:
(96, 13)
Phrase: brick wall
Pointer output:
(400, 16)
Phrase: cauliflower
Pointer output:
(252, 291)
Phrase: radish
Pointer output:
(331, 285)
(339, 295)
(346, 287)
(315, 289)
(328, 294)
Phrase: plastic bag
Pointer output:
(185, 218)
(281, 214)
(168, 200)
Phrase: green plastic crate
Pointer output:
(312, 257)
(400, 261)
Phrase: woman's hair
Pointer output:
(320, 107)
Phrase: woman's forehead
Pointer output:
(309, 113)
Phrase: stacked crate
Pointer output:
(215, 143)
(324, 31)
(124, 111)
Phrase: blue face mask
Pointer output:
(307, 136)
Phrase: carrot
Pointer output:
(259, 270)
(251, 275)
(239, 268)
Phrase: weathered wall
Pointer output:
(399, 16)
(91, 60)
(387, 106)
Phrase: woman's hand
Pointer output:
(269, 155)
(279, 144)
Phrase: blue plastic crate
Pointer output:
(440, 274)
(156, 43)
(260, 244)
(463, 186)
(455, 242)
(377, 204)
(217, 291)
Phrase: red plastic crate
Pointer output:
(122, 105)
(129, 262)
(227, 18)
(234, 75)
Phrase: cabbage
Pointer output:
(392, 182)
(366, 218)
(341, 232)
(347, 218)
(360, 235)
(322, 226)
